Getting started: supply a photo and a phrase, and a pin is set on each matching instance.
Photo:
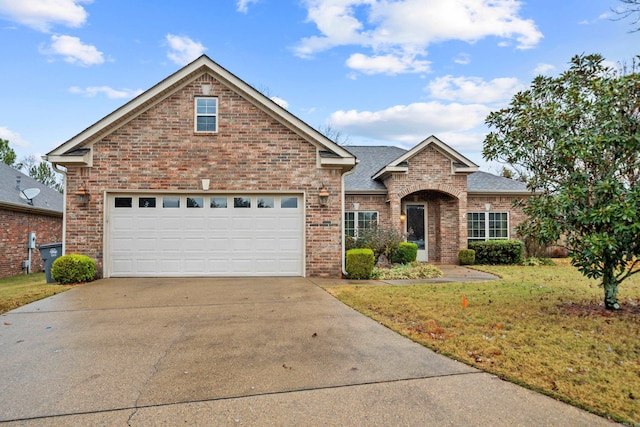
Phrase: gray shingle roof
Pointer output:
(486, 182)
(48, 199)
(373, 158)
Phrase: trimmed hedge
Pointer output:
(406, 253)
(498, 251)
(467, 256)
(360, 263)
(73, 268)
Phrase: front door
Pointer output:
(416, 227)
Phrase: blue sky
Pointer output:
(381, 72)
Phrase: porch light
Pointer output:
(403, 216)
(82, 195)
(323, 196)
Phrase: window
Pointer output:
(487, 226)
(289, 203)
(358, 221)
(241, 202)
(206, 114)
(266, 202)
(123, 202)
(218, 202)
(195, 202)
(147, 202)
(171, 202)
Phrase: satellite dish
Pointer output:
(29, 194)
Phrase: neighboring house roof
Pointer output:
(76, 151)
(483, 182)
(373, 159)
(48, 201)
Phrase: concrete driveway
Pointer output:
(237, 351)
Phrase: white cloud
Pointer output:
(14, 138)
(543, 69)
(410, 123)
(183, 50)
(474, 89)
(281, 102)
(93, 91)
(407, 27)
(462, 59)
(243, 5)
(387, 64)
(74, 51)
(43, 14)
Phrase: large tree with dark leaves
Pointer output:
(578, 136)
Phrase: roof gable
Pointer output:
(48, 199)
(76, 151)
(459, 163)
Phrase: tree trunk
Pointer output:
(610, 285)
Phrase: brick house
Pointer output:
(202, 175)
(20, 216)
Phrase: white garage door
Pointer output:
(205, 235)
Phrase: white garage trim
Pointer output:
(204, 234)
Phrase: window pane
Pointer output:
(171, 202)
(207, 105)
(206, 124)
(195, 202)
(266, 202)
(349, 224)
(476, 225)
(147, 202)
(498, 225)
(367, 220)
(218, 202)
(123, 202)
(241, 202)
(289, 202)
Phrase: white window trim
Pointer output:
(486, 227)
(196, 115)
(356, 221)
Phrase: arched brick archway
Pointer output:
(443, 205)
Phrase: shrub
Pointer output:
(360, 263)
(405, 253)
(413, 270)
(73, 268)
(467, 257)
(498, 251)
(380, 239)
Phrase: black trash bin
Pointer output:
(49, 253)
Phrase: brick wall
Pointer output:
(159, 150)
(16, 226)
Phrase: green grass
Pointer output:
(542, 327)
(20, 290)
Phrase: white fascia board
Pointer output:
(85, 160)
(391, 169)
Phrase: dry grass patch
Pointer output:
(543, 327)
(21, 290)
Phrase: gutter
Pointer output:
(342, 243)
(63, 172)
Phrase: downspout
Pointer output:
(342, 244)
(63, 172)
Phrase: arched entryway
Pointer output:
(430, 218)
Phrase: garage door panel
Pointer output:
(205, 241)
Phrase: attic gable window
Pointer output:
(206, 110)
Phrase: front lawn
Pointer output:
(20, 290)
(542, 327)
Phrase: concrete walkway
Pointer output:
(270, 351)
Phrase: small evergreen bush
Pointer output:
(498, 251)
(382, 240)
(405, 253)
(467, 256)
(73, 268)
(360, 263)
